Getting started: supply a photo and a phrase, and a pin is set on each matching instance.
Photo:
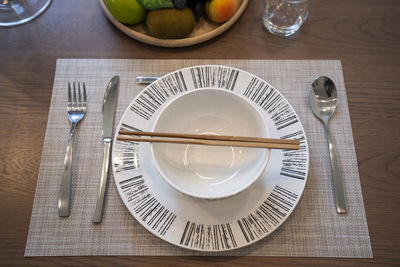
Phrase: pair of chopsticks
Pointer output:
(212, 140)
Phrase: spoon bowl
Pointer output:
(323, 98)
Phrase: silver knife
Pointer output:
(109, 104)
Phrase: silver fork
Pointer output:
(76, 111)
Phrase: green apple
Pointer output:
(126, 11)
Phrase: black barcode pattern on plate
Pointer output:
(127, 127)
(127, 152)
(271, 101)
(268, 215)
(157, 93)
(294, 162)
(146, 206)
(208, 237)
(128, 156)
(214, 76)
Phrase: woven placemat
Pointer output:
(313, 230)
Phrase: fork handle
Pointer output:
(65, 186)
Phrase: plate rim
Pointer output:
(174, 42)
(142, 223)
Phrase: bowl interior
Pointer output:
(203, 171)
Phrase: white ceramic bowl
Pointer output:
(210, 172)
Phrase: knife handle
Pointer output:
(98, 212)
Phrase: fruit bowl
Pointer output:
(204, 30)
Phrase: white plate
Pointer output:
(211, 225)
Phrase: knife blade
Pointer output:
(109, 104)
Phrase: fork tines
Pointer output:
(74, 101)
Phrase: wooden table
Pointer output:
(363, 34)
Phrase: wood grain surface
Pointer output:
(363, 34)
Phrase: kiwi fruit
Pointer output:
(170, 23)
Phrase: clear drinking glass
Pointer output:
(15, 12)
(285, 17)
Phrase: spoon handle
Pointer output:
(337, 177)
(145, 79)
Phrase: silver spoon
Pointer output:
(145, 79)
(323, 98)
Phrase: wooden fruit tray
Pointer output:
(204, 30)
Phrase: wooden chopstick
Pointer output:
(210, 140)
(213, 137)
